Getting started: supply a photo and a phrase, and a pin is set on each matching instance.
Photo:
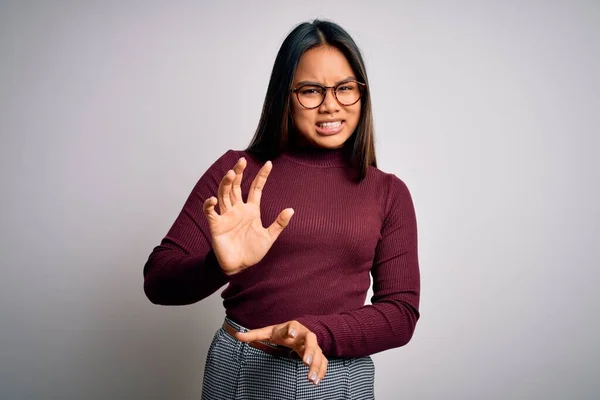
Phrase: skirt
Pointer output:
(236, 371)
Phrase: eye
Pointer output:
(310, 90)
(346, 87)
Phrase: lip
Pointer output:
(329, 131)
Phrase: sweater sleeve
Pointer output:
(390, 320)
(183, 269)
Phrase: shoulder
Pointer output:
(230, 156)
(219, 167)
(389, 180)
(226, 161)
(395, 191)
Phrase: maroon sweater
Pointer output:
(317, 271)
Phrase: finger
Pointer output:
(315, 367)
(209, 209)
(322, 370)
(310, 348)
(292, 329)
(287, 334)
(300, 349)
(259, 183)
(225, 192)
(255, 334)
(236, 194)
(283, 219)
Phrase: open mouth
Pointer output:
(329, 127)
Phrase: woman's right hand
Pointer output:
(239, 238)
(296, 336)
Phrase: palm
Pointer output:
(239, 238)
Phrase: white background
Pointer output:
(111, 111)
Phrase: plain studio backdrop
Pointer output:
(111, 111)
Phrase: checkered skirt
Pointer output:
(236, 371)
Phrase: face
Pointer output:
(330, 124)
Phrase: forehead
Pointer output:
(324, 64)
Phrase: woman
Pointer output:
(296, 324)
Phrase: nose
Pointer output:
(330, 104)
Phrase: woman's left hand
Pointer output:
(296, 336)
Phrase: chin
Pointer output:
(330, 142)
(312, 138)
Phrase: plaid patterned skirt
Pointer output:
(236, 371)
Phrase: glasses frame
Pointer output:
(361, 86)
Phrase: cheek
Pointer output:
(301, 116)
(355, 115)
(296, 111)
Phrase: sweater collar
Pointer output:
(318, 156)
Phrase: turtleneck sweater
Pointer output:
(319, 270)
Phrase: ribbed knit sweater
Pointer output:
(317, 271)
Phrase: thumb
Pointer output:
(283, 219)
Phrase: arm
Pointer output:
(390, 320)
(183, 269)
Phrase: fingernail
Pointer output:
(313, 376)
(308, 359)
(317, 381)
(292, 332)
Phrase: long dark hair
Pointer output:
(273, 132)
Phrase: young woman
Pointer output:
(296, 326)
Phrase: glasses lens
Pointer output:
(310, 96)
(348, 93)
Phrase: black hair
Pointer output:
(272, 136)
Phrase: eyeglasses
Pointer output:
(346, 93)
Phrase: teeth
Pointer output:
(330, 124)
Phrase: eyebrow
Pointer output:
(350, 78)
